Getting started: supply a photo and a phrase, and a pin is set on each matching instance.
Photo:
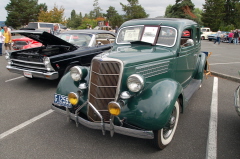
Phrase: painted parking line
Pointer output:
(229, 63)
(14, 79)
(211, 152)
(16, 128)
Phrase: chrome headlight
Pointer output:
(47, 63)
(77, 73)
(135, 83)
(7, 56)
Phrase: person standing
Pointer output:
(116, 29)
(7, 41)
(218, 35)
(56, 30)
(1, 42)
(235, 37)
(230, 37)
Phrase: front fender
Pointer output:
(67, 85)
(151, 108)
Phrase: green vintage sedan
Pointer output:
(141, 85)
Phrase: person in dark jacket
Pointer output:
(235, 37)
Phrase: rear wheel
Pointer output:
(165, 135)
(203, 38)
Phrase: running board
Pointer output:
(191, 88)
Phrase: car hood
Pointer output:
(43, 37)
(134, 55)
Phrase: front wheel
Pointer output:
(165, 135)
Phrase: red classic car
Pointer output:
(25, 43)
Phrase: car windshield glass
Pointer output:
(76, 38)
(129, 34)
(167, 36)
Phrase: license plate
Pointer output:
(27, 74)
(62, 100)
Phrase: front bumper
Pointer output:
(237, 100)
(35, 74)
(144, 134)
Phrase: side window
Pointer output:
(186, 35)
(104, 39)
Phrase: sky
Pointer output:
(152, 7)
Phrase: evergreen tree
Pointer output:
(182, 9)
(75, 20)
(97, 10)
(21, 12)
(213, 14)
(113, 17)
(133, 10)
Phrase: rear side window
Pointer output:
(46, 25)
(33, 25)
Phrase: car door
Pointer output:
(187, 57)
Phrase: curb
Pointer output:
(224, 76)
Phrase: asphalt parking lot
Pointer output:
(51, 136)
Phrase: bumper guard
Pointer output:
(144, 134)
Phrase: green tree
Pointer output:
(97, 10)
(133, 10)
(55, 15)
(213, 14)
(198, 13)
(87, 22)
(113, 17)
(182, 9)
(168, 11)
(21, 12)
(75, 20)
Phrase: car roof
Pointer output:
(175, 22)
(89, 31)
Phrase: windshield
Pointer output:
(76, 38)
(129, 34)
(166, 37)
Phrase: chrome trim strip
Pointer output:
(38, 63)
(144, 134)
(104, 74)
(100, 98)
(28, 66)
(102, 86)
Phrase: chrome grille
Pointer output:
(103, 87)
(28, 64)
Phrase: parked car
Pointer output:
(46, 25)
(108, 28)
(214, 36)
(140, 86)
(58, 53)
(25, 43)
(237, 98)
(205, 32)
